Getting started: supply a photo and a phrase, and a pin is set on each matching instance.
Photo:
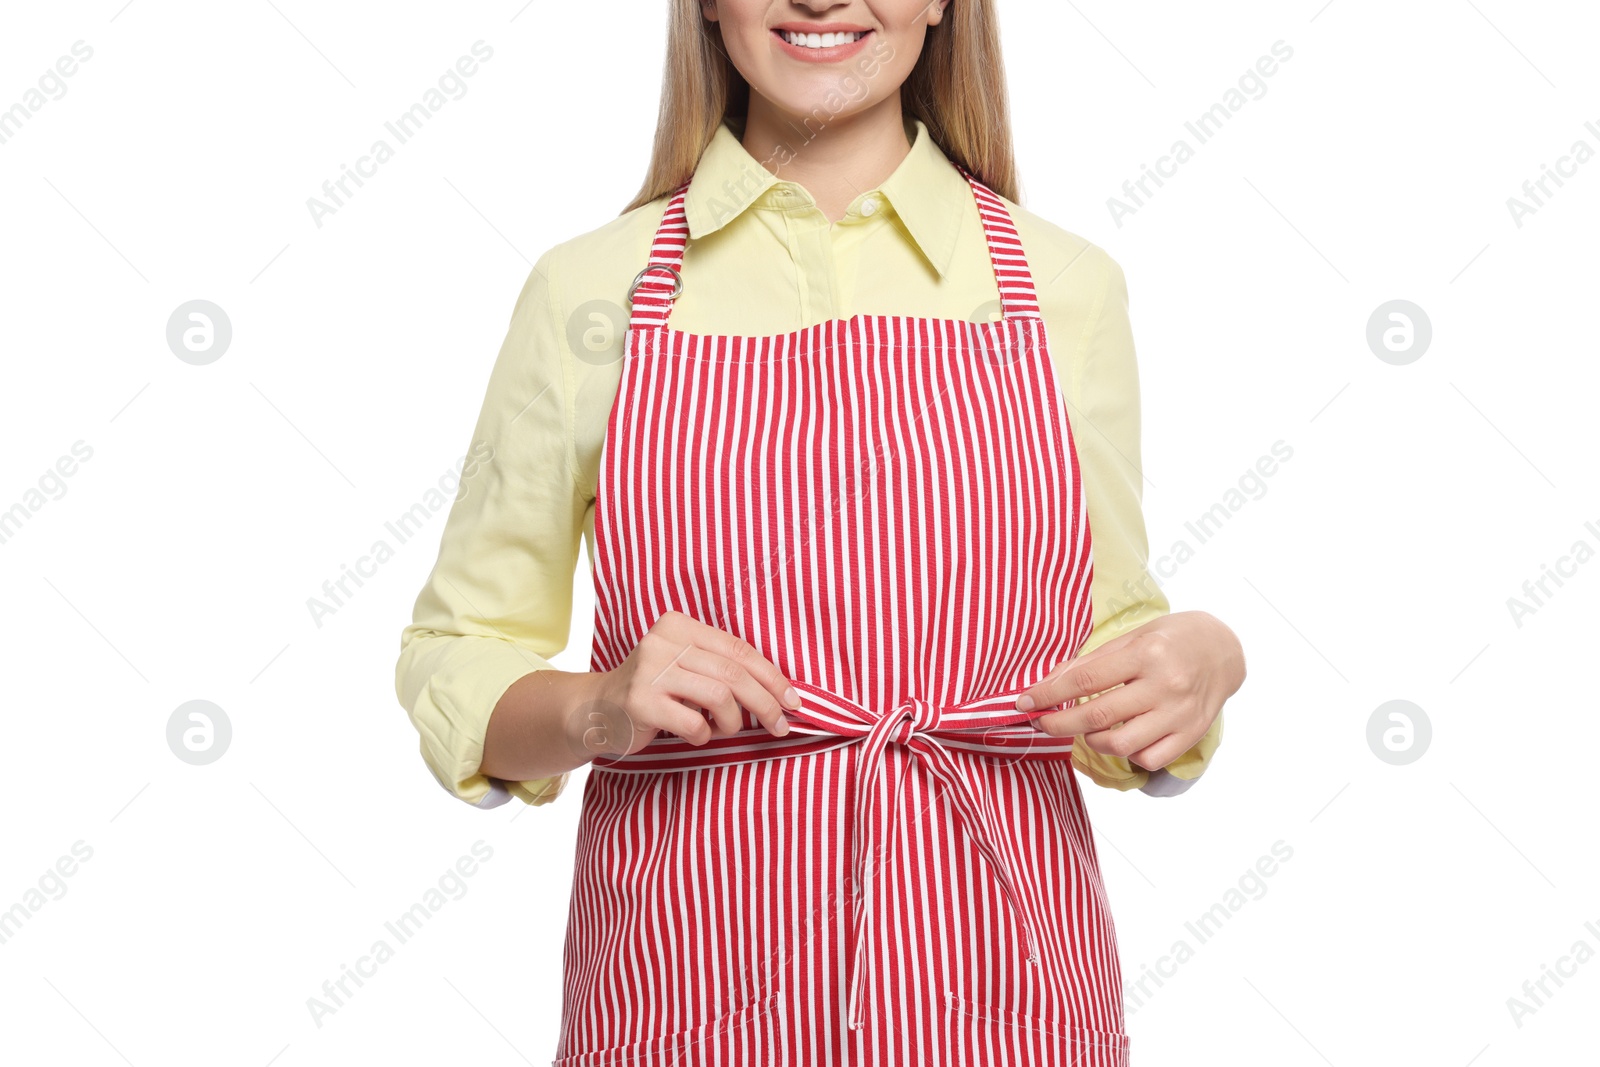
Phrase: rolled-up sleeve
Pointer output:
(498, 603)
(1103, 390)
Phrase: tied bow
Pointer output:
(990, 724)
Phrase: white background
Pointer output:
(1377, 565)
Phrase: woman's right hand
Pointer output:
(683, 678)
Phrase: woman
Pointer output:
(840, 526)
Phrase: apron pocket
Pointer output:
(734, 1035)
(1002, 1036)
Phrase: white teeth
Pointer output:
(820, 40)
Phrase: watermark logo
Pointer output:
(595, 332)
(52, 85)
(1536, 592)
(599, 728)
(988, 311)
(451, 885)
(992, 313)
(1536, 992)
(1204, 928)
(451, 85)
(452, 484)
(1399, 732)
(199, 732)
(50, 886)
(51, 485)
(1536, 192)
(1204, 527)
(199, 332)
(1252, 85)
(1399, 332)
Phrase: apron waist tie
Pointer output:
(989, 725)
(913, 725)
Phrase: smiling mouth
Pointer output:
(820, 40)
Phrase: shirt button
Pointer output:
(869, 206)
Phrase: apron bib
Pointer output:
(889, 509)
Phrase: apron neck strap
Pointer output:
(659, 283)
(1018, 300)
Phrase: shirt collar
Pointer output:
(926, 191)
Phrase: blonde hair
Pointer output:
(957, 89)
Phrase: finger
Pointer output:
(669, 715)
(712, 694)
(1131, 736)
(1097, 714)
(747, 689)
(1162, 753)
(684, 631)
(747, 656)
(1082, 676)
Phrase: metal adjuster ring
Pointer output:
(677, 280)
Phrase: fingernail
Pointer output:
(791, 698)
(1025, 702)
(781, 728)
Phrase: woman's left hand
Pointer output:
(1167, 682)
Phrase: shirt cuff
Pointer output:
(1163, 783)
(451, 712)
(1116, 772)
(535, 791)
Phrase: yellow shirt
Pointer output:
(763, 260)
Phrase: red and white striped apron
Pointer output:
(889, 509)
